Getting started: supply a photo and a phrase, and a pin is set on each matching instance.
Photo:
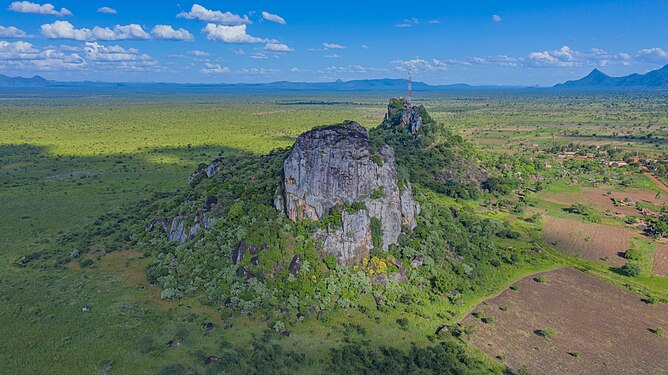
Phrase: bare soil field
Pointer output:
(598, 242)
(660, 266)
(596, 327)
(599, 199)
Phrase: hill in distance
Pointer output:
(597, 79)
(375, 85)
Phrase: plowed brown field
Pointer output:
(611, 330)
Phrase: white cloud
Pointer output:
(239, 52)
(434, 22)
(333, 46)
(65, 30)
(231, 34)
(351, 69)
(214, 69)
(562, 57)
(23, 55)
(258, 56)
(277, 47)
(99, 52)
(120, 32)
(12, 32)
(167, 32)
(654, 55)
(333, 56)
(107, 10)
(421, 64)
(408, 22)
(364, 46)
(260, 71)
(295, 70)
(198, 12)
(273, 18)
(33, 8)
(496, 18)
(198, 53)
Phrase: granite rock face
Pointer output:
(335, 170)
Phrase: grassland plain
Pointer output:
(66, 161)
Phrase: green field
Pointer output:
(64, 162)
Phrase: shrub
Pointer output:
(633, 254)
(403, 323)
(330, 261)
(541, 279)
(631, 270)
(547, 332)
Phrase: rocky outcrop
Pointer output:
(335, 172)
(408, 114)
(209, 171)
(179, 231)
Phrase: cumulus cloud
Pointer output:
(107, 10)
(198, 12)
(231, 34)
(23, 55)
(167, 32)
(12, 32)
(273, 18)
(277, 47)
(654, 55)
(198, 53)
(564, 56)
(34, 8)
(496, 18)
(560, 58)
(98, 52)
(214, 69)
(421, 64)
(333, 46)
(120, 32)
(65, 30)
(260, 71)
(359, 69)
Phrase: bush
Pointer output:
(633, 254)
(547, 332)
(631, 270)
(403, 323)
(330, 261)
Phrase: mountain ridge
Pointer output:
(596, 79)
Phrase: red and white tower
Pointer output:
(410, 83)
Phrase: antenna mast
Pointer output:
(410, 83)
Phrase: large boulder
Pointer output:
(334, 170)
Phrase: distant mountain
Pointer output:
(599, 80)
(35, 81)
(368, 85)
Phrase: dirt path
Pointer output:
(657, 181)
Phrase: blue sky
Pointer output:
(477, 42)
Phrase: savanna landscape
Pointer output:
(228, 191)
(62, 183)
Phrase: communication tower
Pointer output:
(410, 83)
